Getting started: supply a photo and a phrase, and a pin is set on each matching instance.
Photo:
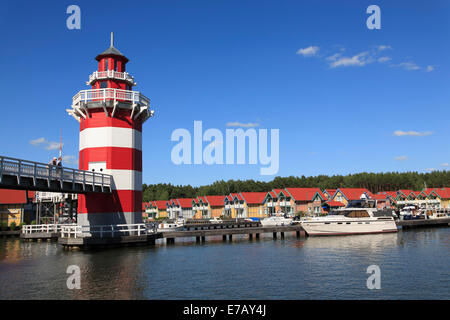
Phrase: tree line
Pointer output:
(375, 182)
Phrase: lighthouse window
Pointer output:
(103, 84)
(106, 64)
(115, 65)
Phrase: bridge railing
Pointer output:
(36, 170)
(105, 231)
(43, 228)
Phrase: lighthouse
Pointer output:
(111, 115)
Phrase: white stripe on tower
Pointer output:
(110, 137)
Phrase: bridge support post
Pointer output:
(224, 238)
(203, 239)
(250, 236)
(257, 236)
(282, 235)
(230, 237)
(274, 235)
(197, 239)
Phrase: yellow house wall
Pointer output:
(253, 210)
(162, 213)
(11, 213)
(217, 211)
(336, 197)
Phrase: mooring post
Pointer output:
(230, 237)
(282, 235)
(257, 236)
(250, 236)
(224, 237)
(197, 239)
(203, 239)
(274, 235)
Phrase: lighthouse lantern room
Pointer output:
(111, 115)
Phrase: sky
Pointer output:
(345, 98)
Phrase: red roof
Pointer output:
(354, 193)
(13, 196)
(333, 203)
(160, 204)
(184, 202)
(331, 192)
(427, 191)
(232, 195)
(215, 201)
(443, 193)
(253, 197)
(303, 194)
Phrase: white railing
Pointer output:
(104, 231)
(47, 228)
(92, 95)
(111, 74)
(30, 169)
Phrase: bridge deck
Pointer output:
(30, 175)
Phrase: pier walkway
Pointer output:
(29, 175)
(406, 224)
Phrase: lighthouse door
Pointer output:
(99, 167)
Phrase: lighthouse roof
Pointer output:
(111, 51)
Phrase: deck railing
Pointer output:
(115, 95)
(48, 228)
(36, 170)
(105, 231)
(111, 74)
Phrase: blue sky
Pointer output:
(311, 69)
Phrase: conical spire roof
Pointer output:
(111, 51)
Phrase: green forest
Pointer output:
(375, 182)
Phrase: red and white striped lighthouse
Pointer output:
(111, 115)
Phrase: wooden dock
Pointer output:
(7, 234)
(36, 236)
(407, 224)
(229, 230)
(97, 242)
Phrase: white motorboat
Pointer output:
(359, 217)
(171, 226)
(276, 221)
(215, 220)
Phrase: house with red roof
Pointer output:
(207, 207)
(16, 206)
(345, 195)
(180, 208)
(155, 209)
(232, 203)
(271, 202)
(385, 199)
(443, 194)
(251, 205)
(302, 200)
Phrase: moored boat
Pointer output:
(359, 217)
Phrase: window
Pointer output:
(115, 65)
(106, 64)
(103, 84)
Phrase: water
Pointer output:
(414, 265)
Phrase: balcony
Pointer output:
(110, 74)
(109, 97)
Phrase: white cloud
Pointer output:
(308, 52)
(400, 133)
(429, 68)
(401, 158)
(383, 47)
(410, 66)
(430, 169)
(384, 59)
(242, 125)
(446, 164)
(44, 143)
(69, 160)
(360, 59)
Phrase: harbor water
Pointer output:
(414, 264)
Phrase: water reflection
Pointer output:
(414, 265)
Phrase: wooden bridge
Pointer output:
(29, 175)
